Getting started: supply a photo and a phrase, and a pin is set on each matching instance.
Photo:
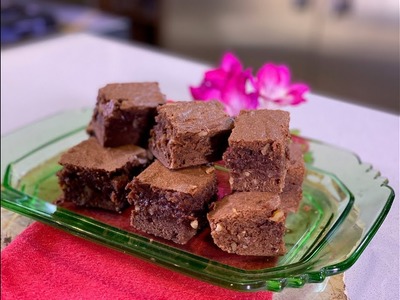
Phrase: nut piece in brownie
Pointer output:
(124, 113)
(172, 204)
(191, 133)
(249, 223)
(258, 151)
(93, 176)
(293, 192)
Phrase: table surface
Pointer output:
(65, 72)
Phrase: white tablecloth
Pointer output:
(66, 72)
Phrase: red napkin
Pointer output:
(46, 263)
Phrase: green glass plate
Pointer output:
(344, 203)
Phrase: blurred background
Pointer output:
(347, 49)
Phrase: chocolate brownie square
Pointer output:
(93, 176)
(258, 153)
(172, 204)
(124, 113)
(293, 192)
(249, 223)
(191, 133)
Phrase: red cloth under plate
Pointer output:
(46, 263)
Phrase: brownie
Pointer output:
(172, 204)
(258, 153)
(191, 133)
(249, 223)
(291, 200)
(124, 113)
(93, 176)
(292, 192)
(296, 168)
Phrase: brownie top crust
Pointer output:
(90, 154)
(188, 180)
(259, 125)
(244, 202)
(196, 116)
(133, 94)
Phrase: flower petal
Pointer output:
(299, 88)
(215, 78)
(203, 92)
(275, 89)
(283, 75)
(230, 63)
(239, 101)
(297, 92)
(267, 75)
(234, 94)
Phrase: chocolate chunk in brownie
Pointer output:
(293, 192)
(188, 134)
(172, 204)
(93, 176)
(124, 113)
(249, 223)
(258, 151)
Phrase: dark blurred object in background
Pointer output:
(19, 22)
(145, 17)
(24, 20)
(137, 20)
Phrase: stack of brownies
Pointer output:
(266, 174)
(171, 196)
(96, 171)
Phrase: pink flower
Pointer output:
(228, 84)
(237, 89)
(275, 89)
